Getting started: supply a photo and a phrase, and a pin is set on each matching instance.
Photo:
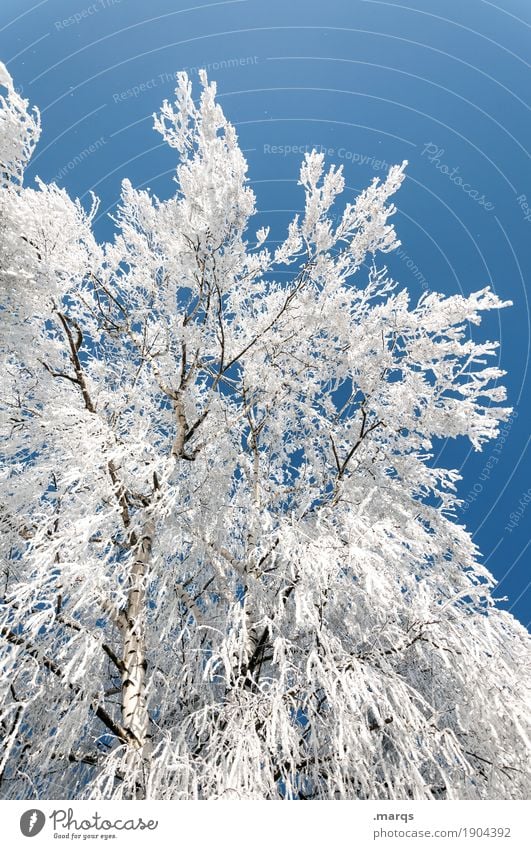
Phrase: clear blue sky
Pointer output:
(442, 83)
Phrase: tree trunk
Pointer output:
(134, 709)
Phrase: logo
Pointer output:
(32, 822)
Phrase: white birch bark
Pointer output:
(134, 704)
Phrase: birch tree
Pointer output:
(231, 567)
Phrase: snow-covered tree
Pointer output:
(231, 567)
